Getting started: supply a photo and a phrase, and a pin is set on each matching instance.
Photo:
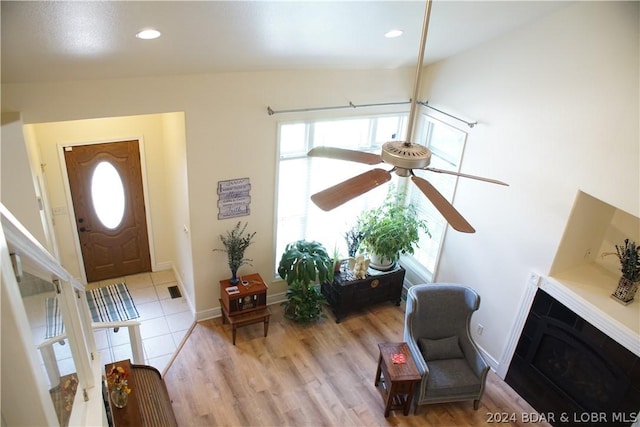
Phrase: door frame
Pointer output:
(69, 199)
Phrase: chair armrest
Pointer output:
(472, 353)
(412, 343)
(477, 363)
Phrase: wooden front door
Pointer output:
(108, 202)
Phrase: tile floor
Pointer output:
(164, 322)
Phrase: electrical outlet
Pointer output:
(480, 329)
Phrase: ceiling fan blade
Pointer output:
(464, 175)
(344, 154)
(447, 210)
(341, 193)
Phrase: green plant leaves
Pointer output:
(391, 229)
(629, 256)
(303, 263)
(304, 304)
(235, 243)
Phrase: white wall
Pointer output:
(228, 135)
(558, 109)
(18, 191)
(176, 201)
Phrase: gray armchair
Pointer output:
(436, 330)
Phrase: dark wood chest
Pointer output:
(344, 294)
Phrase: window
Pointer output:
(300, 176)
(107, 195)
(447, 145)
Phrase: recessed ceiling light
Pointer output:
(393, 33)
(148, 34)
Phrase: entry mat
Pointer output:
(111, 303)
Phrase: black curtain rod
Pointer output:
(271, 111)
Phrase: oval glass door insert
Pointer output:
(107, 194)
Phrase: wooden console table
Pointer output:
(149, 404)
(247, 306)
(399, 379)
(344, 294)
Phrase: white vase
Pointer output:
(380, 263)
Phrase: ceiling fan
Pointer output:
(404, 156)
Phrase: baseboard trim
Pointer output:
(165, 265)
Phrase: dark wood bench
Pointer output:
(149, 402)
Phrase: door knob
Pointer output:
(84, 229)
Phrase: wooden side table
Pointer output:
(247, 305)
(249, 297)
(399, 380)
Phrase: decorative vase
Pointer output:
(625, 291)
(234, 278)
(119, 398)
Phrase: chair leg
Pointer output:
(476, 404)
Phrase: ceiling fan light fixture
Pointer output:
(393, 33)
(148, 34)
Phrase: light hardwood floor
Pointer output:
(316, 375)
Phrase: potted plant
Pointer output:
(629, 256)
(235, 243)
(303, 263)
(390, 230)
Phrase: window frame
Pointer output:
(409, 261)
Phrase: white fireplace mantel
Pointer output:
(587, 292)
(582, 277)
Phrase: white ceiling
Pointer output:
(55, 40)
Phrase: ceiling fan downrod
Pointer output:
(418, 76)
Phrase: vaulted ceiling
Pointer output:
(83, 40)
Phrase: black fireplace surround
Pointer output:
(571, 372)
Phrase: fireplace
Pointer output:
(570, 371)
